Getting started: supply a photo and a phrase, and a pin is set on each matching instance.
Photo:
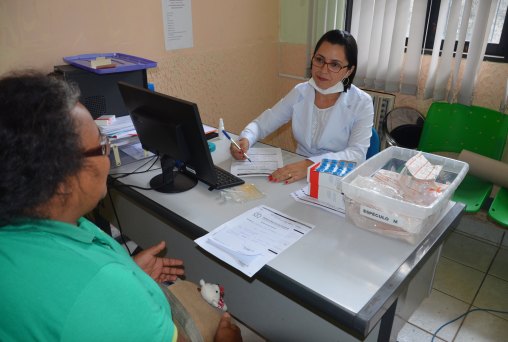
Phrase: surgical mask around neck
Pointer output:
(337, 88)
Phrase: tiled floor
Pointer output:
(472, 273)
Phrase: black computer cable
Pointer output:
(113, 184)
(125, 174)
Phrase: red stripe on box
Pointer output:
(314, 181)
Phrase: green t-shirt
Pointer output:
(61, 282)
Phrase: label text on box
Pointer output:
(381, 216)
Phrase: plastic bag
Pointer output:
(242, 193)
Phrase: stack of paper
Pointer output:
(121, 128)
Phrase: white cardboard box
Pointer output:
(326, 187)
(318, 179)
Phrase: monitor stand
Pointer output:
(171, 181)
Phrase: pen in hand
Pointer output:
(237, 146)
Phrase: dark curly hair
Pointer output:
(39, 143)
(345, 39)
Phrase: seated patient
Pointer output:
(63, 279)
(331, 118)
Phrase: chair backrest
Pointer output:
(375, 144)
(454, 127)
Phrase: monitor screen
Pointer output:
(171, 128)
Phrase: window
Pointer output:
(497, 47)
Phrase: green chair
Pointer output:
(499, 208)
(456, 127)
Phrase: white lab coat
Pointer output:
(346, 136)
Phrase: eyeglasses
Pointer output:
(333, 66)
(102, 150)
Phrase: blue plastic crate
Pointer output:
(123, 62)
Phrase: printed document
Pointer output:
(251, 240)
(302, 196)
(265, 160)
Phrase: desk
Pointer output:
(337, 283)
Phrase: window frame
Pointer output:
(494, 52)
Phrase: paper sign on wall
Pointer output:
(177, 17)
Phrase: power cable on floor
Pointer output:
(463, 315)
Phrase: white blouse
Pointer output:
(340, 132)
(319, 121)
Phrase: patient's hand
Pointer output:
(159, 268)
(227, 331)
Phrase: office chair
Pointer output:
(455, 127)
(375, 144)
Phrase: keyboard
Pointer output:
(226, 179)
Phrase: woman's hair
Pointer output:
(345, 39)
(39, 143)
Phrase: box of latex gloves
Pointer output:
(325, 179)
(401, 192)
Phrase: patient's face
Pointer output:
(91, 180)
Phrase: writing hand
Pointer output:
(240, 154)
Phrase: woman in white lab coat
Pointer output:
(331, 118)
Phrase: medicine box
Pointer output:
(325, 179)
(369, 209)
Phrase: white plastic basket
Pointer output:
(390, 216)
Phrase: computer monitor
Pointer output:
(171, 128)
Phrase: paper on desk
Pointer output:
(251, 240)
(136, 151)
(302, 196)
(122, 127)
(265, 160)
(209, 129)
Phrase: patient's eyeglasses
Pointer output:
(102, 150)
(333, 66)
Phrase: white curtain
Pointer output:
(381, 28)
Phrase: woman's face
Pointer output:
(91, 180)
(330, 53)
